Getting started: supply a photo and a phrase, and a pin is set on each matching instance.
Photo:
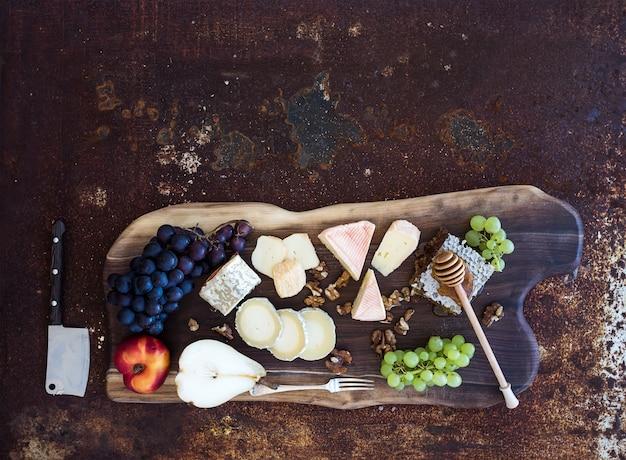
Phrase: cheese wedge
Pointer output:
(320, 329)
(368, 305)
(398, 244)
(258, 323)
(289, 278)
(292, 340)
(299, 247)
(349, 243)
(269, 251)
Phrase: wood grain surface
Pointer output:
(548, 238)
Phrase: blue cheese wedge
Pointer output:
(480, 270)
(229, 284)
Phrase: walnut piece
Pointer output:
(493, 312)
(193, 325)
(338, 361)
(408, 314)
(314, 287)
(401, 327)
(388, 318)
(331, 292)
(344, 309)
(383, 341)
(224, 330)
(320, 272)
(314, 301)
(343, 280)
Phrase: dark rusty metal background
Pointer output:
(110, 110)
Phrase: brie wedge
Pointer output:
(368, 305)
(349, 243)
(399, 242)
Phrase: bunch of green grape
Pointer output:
(434, 365)
(488, 236)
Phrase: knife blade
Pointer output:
(67, 369)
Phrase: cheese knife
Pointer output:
(67, 369)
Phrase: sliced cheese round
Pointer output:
(258, 323)
(320, 330)
(269, 251)
(293, 339)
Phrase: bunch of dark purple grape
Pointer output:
(164, 272)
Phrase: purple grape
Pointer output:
(122, 284)
(135, 328)
(113, 297)
(174, 277)
(155, 293)
(206, 268)
(139, 304)
(162, 316)
(142, 284)
(164, 233)
(217, 256)
(111, 279)
(243, 228)
(225, 233)
(238, 244)
(197, 250)
(174, 294)
(197, 271)
(180, 242)
(135, 263)
(152, 249)
(125, 316)
(156, 328)
(125, 300)
(170, 307)
(185, 264)
(166, 261)
(159, 278)
(144, 320)
(186, 286)
(162, 300)
(146, 267)
(153, 307)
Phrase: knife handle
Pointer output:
(56, 273)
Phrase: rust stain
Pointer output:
(317, 127)
(235, 150)
(107, 100)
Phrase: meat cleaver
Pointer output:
(68, 347)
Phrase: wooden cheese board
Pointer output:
(548, 236)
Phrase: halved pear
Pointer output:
(269, 251)
(257, 322)
(211, 373)
(292, 340)
(320, 330)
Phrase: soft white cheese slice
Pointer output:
(299, 247)
(269, 251)
(292, 340)
(258, 323)
(320, 329)
(399, 242)
(368, 305)
(229, 284)
(289, 278)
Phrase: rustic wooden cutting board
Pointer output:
(547, 233)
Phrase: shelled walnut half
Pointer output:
(320, 272)
(224, 330)
(314, 301)
(344, 309)
(338, 361)
(493, 312)
(383, 341)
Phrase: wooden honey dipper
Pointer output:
(449, 269)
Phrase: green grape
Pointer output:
(390, 357)
(506, 246)
(419, 350)
(431, 356)
(473, 238)
(462, 360)
(426, 375)
(400, 386)
(450, 367)
(430, 384)
(440, 379)
(411, 359)
(477, 223)
(419, 385)
(440, 362)
(423, 356)
(499, 235)
(399, 354)
(408, 378)
(487, 254)
(497, 264)
(454, 380)
(386, 369)
(468, 349)
(453, 354)
(447, 347)
(435, 343)
(492, 225)
(482, 246)
(458, 340)
(393, 380)
(490, 244)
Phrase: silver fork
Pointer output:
(333, 386)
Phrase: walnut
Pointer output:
(493, 312)
(406, 294)
(343, 280)
(338, 361)
(408, 314)
(383, 341)
(401, 327)
(344, 309)
(314, 301)
(331, 292)
(224, 330)
(314, 287)
(396, 297)
(320, 272)
(388, 318)
(193, 325)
